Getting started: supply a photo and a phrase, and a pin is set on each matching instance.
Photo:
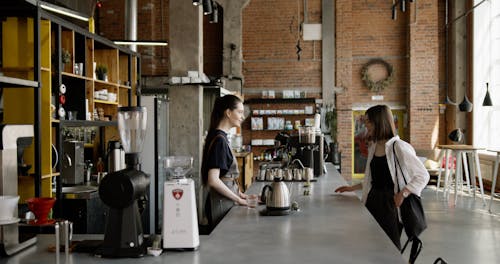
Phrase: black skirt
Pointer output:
(381, 206)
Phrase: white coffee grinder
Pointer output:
(180, 219)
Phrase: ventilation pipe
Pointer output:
(131, 22)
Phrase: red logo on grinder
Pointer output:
(177, 193)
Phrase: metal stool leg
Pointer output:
(458, 173)
(477, 167)
(465, 158)
(446, 172)
(494, 177)
(440, 160)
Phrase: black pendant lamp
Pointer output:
(456, 135)
(487, 98)
(465, 105)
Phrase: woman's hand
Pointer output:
(344, 189)
(348, 188)
(241, 201)
(398, 199)
(242, 195)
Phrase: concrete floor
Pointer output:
(465, 233)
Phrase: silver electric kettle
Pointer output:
(276, 196)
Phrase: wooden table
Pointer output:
(494, 176)
(461, 151)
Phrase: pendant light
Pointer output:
(456, 135)
(487, 98)
(196, 2)
(466, 105)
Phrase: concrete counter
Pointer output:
(329, 228)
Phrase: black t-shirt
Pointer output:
(381, 176)
(219, 155)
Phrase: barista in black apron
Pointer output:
(219, 169)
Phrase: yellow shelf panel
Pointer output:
(105, 102)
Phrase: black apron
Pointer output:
(218, 205)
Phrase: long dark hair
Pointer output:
(220, 106)
(383, 122)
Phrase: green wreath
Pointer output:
(376, 86)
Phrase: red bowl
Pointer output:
(41, 206)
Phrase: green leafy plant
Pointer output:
(101, 71)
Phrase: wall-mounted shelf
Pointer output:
(279, 100)
(84, 123)
(17, 83)
(32, 44)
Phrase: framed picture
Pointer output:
(360, 142)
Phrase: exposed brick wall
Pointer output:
(270, 34)
(365, 30)
(344, 28)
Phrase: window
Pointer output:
(486, 61)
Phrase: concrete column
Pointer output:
(457, 33)
(186, 53)
(232, 57)
(328, 51)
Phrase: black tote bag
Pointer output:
(412, 212)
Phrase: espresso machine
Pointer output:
(124, 189)
(308, 146)
(12, 135)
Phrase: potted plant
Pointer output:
(101, 72)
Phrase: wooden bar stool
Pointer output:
(461, 152)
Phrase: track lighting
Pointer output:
(402, 6)
(207, 7)
(214, 17)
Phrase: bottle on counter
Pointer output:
(100, 165)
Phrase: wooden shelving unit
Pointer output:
(33, 41)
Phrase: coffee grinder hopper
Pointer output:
(178, 167)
